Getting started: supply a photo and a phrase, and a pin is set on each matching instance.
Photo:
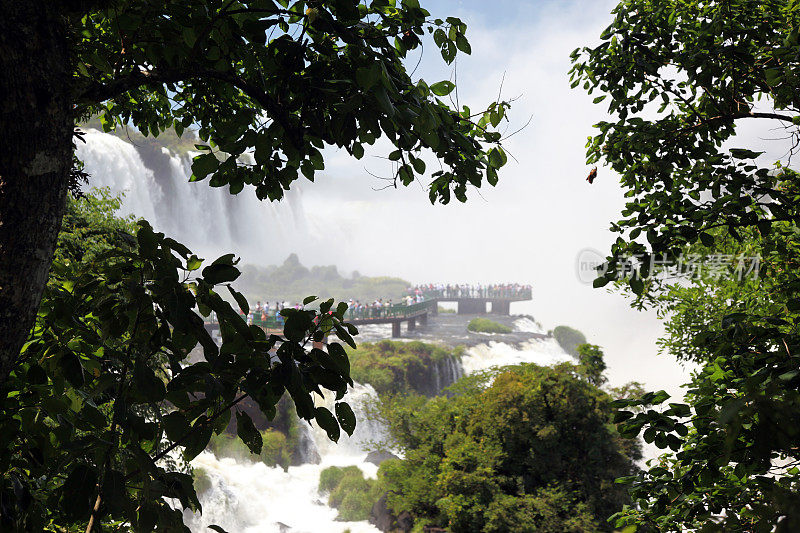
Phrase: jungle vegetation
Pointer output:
(96, 392)
(681, 79)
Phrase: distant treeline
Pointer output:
(292, 281)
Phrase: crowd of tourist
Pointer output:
(267, 314)
(380, 308)
(440, 290)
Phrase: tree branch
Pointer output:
(98, 92)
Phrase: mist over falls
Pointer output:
(210, 221)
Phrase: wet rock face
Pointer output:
(382, 518)
(377, 458)
(429, 377)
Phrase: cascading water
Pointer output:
(252, 497)
(543, 352)
(210, 221)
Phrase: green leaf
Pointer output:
(706, 239)
(241, 301)
(146, 383)
(741, 153)
(71, 368)
(495, 158)
(197, 440)
(297, 325)
(367, 77)
(636, 285)
(463, 44)
(175, 425)
(346, 417)
(203, 165)
(339, 357)
(248, 433)
(78, 491)
(220, 273)
(193, 263)
(308, 299)
(443, 88)
(326, 421)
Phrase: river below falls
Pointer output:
(248, 497)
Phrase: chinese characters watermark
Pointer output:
(591, 264)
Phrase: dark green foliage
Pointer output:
(91, 226)
(399, 367)
(282, 81)
(591, 363)
(103, 390)
(680, 78)
(569, 339)
(349, 492)
(484, 325)
(523, 448)
(292, 281)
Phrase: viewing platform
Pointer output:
(474, 300)
(470, 300)
(395, 315)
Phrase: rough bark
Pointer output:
(35, 160)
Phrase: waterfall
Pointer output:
(251, 497)
(240, 495)
(541, 352)
(208, 220)
(247, 497)
(351, 449)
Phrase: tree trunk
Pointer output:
(35, 160)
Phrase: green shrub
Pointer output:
(569, 339)
(399, 367)
(276, 450)
(446, 310)
(201, 480)
(349, 492)
(330, 478)
(484, 325)
(522, 448)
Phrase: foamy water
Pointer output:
(543, 352)
(252, 497)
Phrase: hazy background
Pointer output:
(530, 228)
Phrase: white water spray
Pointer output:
(252, 497)
(210, 221)
(542, 352)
